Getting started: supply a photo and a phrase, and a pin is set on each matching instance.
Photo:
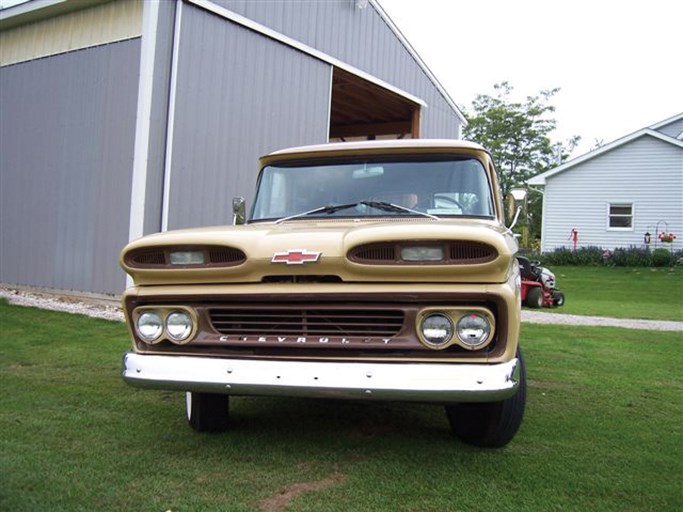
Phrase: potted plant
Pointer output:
(667, 238)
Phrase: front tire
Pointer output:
(207, 412)
(558, 299)
(490, 424)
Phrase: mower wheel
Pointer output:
(534, 298)
(558, 299)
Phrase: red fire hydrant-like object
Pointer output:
(574, 237)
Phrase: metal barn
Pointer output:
(120, 118)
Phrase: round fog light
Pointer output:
(150, 326)
(437, 329)
(473, 329)
(179, 326)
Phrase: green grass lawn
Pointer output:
(602, 432)
(621, 292)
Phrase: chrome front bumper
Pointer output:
(377, 381)
(420, 382)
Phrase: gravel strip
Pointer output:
(83, 306)
(59, 303)
(537, 317)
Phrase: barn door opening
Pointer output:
(362, 110)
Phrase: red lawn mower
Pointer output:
(538, 285)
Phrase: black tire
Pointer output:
(534, 297)
(558, 299)
(490, 424)
(207, 412)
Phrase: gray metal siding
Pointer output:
(358, 37)
(646, 172)
(66, 134)
(239, 95)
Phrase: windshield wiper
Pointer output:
(329, 209)
(380, 205)
(391, 207)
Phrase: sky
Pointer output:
(619, 64)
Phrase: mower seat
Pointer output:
(529, 271)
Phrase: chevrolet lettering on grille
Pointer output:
(325, 340)
(296, 257)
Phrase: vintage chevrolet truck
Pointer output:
(377, 270)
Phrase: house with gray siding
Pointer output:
(120, 118)
(620, 195)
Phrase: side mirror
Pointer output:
(514, 204)
(239, 211)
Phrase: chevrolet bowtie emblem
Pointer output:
(295, 257)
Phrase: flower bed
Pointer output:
(619, 257)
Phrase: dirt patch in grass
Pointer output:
(286, 495)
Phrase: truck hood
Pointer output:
(318, 251)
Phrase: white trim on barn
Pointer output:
(150, 20)
(173, 87)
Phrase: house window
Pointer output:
(620, 216)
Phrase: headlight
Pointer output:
(422, 253)
(150, 326)
(437, 329)
(179, 326)
(473, 329)
(186, 257)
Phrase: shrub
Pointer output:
(620, 257)
(585, 256)
(662, 258)
(631, 257)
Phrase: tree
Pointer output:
(518, 136)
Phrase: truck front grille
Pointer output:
(307, 321)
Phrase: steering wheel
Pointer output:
(449, 200)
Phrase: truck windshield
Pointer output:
(435, 187)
